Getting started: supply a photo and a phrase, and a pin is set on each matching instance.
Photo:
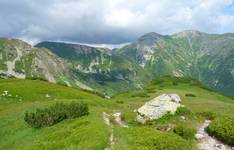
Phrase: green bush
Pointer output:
(190, 95)
(208, 115)
(54, 114)
(151, 90)
(140, 94)
(165, 118)
(186, 133)
(183, 111)
(119, 102)
(37, 78)
(223, 129)
(174, 83)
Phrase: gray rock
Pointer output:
(220, 146)
(182, 117)
(159, 106)
(198, 136)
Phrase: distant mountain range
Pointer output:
(206, 57)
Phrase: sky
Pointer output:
(110, 21)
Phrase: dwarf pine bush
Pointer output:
(186, 133)
(54, 114)
(223, 129)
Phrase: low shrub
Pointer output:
(186, 133)
(151, 90)
(140, 94)
(183, 111)
(119, 102)
(37, 78)
(54, 114)
(190, 95)
(165, 118)
(174, 83)
(62, 83)
(208, 115)
(223, 129)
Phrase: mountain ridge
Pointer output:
(190, 53)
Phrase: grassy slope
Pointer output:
(71, 134)
(205, 101)
(90, 132)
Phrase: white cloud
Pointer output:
(110, 21)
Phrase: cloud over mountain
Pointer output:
(115, 21)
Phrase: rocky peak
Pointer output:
(15, 43)
(187, 33)
(150, 38)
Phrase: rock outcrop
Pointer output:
(159, 106)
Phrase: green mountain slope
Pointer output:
(99, 67)
(90, 132)
(81, 66)
(206, 57)
(21, 60)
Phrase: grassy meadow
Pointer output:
(90, 132)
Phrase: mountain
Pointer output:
(206, 57)
(21, 60)
(99, 67)
(89, 68)
(111, 124)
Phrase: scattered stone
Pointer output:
(159, 106)
(107, 97)
(220, 146)
(182, 117)
(198, 136)
(5, 92)
(168, 129)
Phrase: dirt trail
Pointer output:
(118, 120)
(106, 119)
(206, 142)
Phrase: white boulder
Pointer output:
(159, 106)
